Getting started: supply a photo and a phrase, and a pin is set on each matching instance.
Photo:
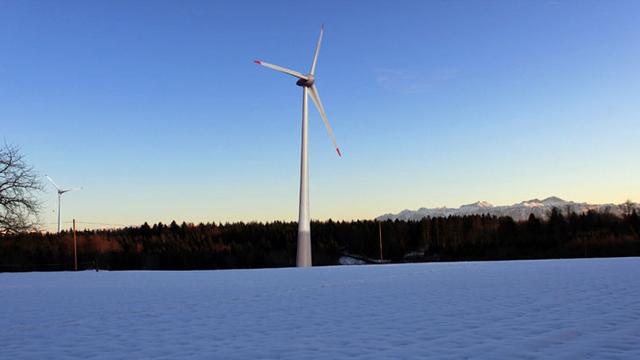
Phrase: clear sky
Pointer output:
(157, 109)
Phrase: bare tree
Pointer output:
(19, 206)
(628, 207)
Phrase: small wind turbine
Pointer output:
(307, 82)
(60, 192)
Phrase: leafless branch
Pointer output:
(19, 206)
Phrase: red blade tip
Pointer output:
(257, 62)
(338, 150)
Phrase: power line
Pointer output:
(87, 222)
(99, 223)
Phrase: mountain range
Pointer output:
(519, 211)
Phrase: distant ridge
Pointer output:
(519, 211)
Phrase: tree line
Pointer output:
(273, 244)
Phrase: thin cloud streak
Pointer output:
(411, 82)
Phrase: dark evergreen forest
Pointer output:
(260, 245)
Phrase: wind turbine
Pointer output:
(307, 82)
(60, 192)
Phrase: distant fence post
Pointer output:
(380, 237)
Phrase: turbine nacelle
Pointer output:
(308, 82)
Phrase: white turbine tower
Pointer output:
(307, 82)
(60, 192)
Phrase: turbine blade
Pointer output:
(315, 56)
(281, 69)
(53, 182)
(313, 91)
(68, 190)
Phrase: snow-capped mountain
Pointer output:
(519, 211)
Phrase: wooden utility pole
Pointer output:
(75, 247)
(380, 237)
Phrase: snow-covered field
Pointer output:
(568, 309)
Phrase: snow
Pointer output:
(559, 309)
(348, 260)
(533, 203)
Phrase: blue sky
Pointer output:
(158, 111)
